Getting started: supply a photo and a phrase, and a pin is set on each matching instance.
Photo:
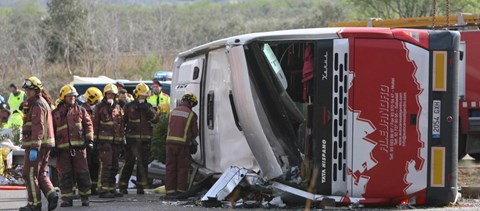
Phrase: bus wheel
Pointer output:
(462, 146)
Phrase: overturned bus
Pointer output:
(361, 115)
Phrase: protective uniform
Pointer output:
(182, 129)
(93, 96)
(38, 138)
(14, 101)
(109, 133)
(73, 131)
(138, 119)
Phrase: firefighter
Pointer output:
(139, 117)
(38, 139)
(123, 96)
(73, 133)
(161, 102)
(92, 97)
(109, 133)
(182, 131)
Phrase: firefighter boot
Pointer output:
(116, 194)
(52, 200)
(124, 191)
(106, 195)
(93, 190)
(140, 190)
(85, 201)
(31, 208)
(66, 202)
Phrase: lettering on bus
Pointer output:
(325, 67)
(392, 110)
(384, 112)
(324, 161)
(436, 118)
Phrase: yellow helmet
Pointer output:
(32, 83)
(110, 88)
(141, 90)
(67, 90)
(191, 98)
(93, 95)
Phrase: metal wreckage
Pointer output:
(342, 116)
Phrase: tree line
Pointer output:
(91, 37)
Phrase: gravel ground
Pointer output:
(468, 180)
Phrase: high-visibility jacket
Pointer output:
(15, 119)
(72, 126)
(108, 122)
(138, 123)
(182, 125)
(14, 101)
(37, 129)
(160, 101)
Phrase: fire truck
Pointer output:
(357, 115)
(468, 73)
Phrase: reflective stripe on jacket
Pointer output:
(72, 126)
(138, 123)
(108, 122)
(38, 127)
(182, 126)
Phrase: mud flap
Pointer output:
(224, 185)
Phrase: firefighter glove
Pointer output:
(193, 147)
(33, 154)
(54, 152)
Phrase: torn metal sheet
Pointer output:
(225, 184)
(338, 199)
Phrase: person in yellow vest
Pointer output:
(161, 102)
(158, 99)
(15, 98)
(15, 119)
